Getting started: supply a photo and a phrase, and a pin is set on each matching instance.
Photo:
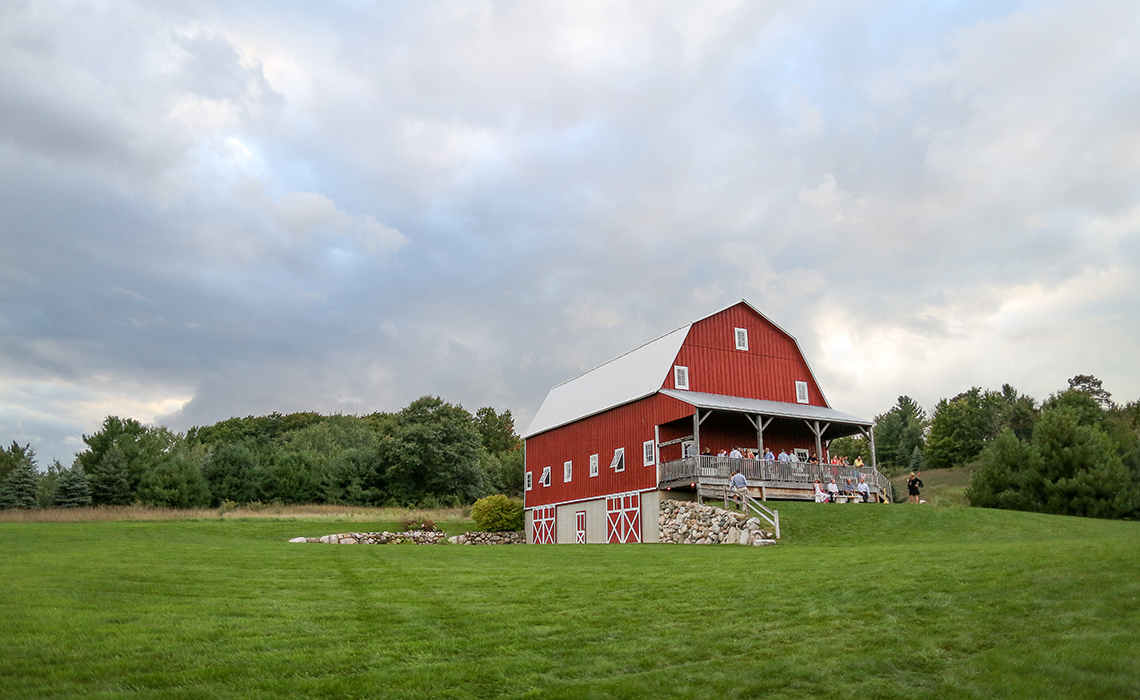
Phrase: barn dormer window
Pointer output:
(545, 480)
(618, 463)
(742, 339)
(680, 377)
(801, 392)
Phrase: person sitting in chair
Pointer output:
(832, 490)
(820, 496)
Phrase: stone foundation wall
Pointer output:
(686, 522)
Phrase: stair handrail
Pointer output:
(757, 507)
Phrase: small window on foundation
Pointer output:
(680, 377)
(801, 392)
(741, 338)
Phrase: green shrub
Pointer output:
(498, 514)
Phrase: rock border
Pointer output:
(415, 537)
(688, 522)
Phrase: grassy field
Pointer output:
(857, 601)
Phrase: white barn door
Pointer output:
(542, 525)
(623, 518)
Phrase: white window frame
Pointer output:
(545, 478)
(801, 454)
(741, 337)
(681, 377)
(529, 480)
(802, 392)
(593, 465)
(648, 453)
(618, 462)
(567, 471)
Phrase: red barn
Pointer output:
(606, 446)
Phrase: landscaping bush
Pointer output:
(498, 514)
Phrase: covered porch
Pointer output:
(687, 447)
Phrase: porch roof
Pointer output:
(737, 404)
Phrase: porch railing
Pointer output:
(715, 467)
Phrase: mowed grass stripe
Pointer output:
(860, 601)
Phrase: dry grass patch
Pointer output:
(307, 512)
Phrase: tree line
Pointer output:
(1075, 453)
(430, 454)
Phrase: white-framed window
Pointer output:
(593, 465)
(545, 479)
(741, 338)
(649, 454)
(801, 455)
(567, 471)
(680, 377)
(801, 392)
(618, 463)
(529, 480)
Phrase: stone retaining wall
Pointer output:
(415, 537)
(686, 522)
(489, 538)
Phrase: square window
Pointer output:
(593, 465)
(545, 479)
(801, 455)
(567, 471)
(680, 377)
(529, 480)
(618, 463)
(741, 338)
(649, 453)
(801, 392)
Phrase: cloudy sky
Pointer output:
(233, 208)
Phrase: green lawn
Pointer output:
(857, 601)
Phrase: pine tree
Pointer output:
(110, 484)
(73, 489)
(19, 489)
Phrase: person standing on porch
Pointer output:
(783, 456)
(768, 456)
(735, 454)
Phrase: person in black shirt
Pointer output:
(913, 484)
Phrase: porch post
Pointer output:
(697, 430)
(874, 460)
(818, 443)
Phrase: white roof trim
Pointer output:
(634, 375)
(736, 404)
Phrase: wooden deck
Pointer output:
(767, 480)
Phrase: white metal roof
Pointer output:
(636, 374)
(763, 407)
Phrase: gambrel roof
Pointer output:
(635, 375)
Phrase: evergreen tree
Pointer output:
(73, 488)
(897, 433)
(110, 485)
(19, 488)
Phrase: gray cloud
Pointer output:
(223, 210)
